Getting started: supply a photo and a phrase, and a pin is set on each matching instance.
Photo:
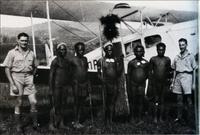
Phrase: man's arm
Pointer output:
(35, 64)
(8, 64)
(150, 73)
(194, 79)
(168, 71)
(8, 74)
(99, 69)
(52, 84)
(173, 79)
(173, 66)
(11, 81)
(195, 67)
(52, 76)
(128, 77)
(119, 65)
(86, 63)
(88, 79)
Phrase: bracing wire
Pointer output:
(67, 30)
(74, 17)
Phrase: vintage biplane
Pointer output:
(155, 25)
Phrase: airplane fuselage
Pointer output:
(169, 35)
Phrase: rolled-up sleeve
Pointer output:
(8, 60)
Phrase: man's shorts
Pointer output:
(183, 83)
(24, 83)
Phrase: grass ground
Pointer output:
(121, 124)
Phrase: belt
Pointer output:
(187, 72)
(23, 72)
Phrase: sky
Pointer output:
(184, 5)
(16, 21)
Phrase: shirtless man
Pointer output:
(108, 73)
(59, 84)
(138, 69)
(160, 66)
(79, 65)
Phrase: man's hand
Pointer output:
(14, 89)
(193, 86)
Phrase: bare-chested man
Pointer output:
(59, 84)
(160, 66)
(138, 69)
(108, 74)
(79, 65)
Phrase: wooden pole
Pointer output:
(103, 92)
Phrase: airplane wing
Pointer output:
(83, 11)
(88, 11)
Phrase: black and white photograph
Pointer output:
(99, 67)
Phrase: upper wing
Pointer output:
(89, 11)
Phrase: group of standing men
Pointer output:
(65, 73)
(20, 67)
(157, 70)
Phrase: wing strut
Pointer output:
(50, 37)
(33, 35)
(74, 18)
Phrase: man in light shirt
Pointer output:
(20, 67)
(183, 82)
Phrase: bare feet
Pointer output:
(52, 128)
(77, 125)
(62, 126)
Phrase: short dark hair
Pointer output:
(138, 46)
(22, 35)
(160, 45)
(77, 44)
(182, 40)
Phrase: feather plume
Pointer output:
(109, 22)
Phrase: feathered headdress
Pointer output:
(110, 30)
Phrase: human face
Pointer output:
(161, 51)
(182, 46)
(109, 51)
(23, 42)
(139, 53)
(62, 51)
(80, 50)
